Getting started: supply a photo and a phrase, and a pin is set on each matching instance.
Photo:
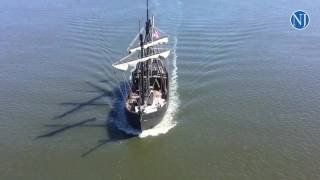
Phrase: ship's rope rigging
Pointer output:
(142, 49)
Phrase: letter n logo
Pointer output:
(299, 20)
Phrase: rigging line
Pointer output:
(117, 79)
(114, 73)
(129, 74)
(125, 89)
(130, 80)
(126, 81)
(118, 82)
(161, 32)
(122, 86)
(125, 84)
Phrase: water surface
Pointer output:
(245, 101)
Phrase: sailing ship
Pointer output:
(148, 97)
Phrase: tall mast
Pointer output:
(148, 24)
(147, 10)
(152, 26)
(141, 45)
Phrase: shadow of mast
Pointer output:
(66, 127)
(112, 132)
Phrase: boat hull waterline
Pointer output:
(143, 122)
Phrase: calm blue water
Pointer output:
(245, 91)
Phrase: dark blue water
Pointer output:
(245, 91)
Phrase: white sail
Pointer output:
(133, 59)
(159, 37)
(152, 43)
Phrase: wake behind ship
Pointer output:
(148, 97)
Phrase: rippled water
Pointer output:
(245, 91)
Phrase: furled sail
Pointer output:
(158, 38)
(133, 58)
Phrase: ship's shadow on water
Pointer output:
(114, 119)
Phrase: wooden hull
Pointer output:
(146, 121)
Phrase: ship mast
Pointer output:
(144, 69)
(148, 25)
(147, 10)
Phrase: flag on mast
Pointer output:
(156, 34)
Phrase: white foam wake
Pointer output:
(168, 121)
